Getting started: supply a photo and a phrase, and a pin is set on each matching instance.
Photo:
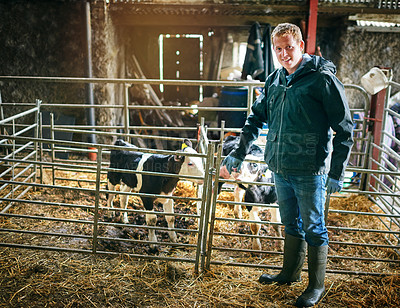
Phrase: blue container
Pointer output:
(233, 97)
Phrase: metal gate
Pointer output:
(33, 217)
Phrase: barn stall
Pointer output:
(53, 205)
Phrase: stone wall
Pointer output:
(39, 39)
(355, 52)
(48, 38)
(361, 50)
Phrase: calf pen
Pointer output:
(57, 202)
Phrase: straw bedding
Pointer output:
(35, 278)
(44, 279)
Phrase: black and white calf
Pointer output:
(251, 172)
(263, 194)
(183, 165)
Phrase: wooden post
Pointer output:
(312, 26)
(376, 117)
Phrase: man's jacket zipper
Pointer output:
(280, 129)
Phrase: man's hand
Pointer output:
(232, 163)
(333, 185)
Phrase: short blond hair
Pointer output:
(287, 29)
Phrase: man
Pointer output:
(301, 102)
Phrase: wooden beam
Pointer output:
(224, 14)
(381, 17)
(197, 20)
(312, 27)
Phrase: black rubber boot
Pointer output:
(317, 258)
(294, 252)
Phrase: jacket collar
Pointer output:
(307, 65)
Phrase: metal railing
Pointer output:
(93, 237)
(386, 177)
(62, 225)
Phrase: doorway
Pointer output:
(181, 58)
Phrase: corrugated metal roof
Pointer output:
(251, 8)
(227, 11)
(376, 4)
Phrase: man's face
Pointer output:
(288, 52)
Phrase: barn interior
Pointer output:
(77, 75)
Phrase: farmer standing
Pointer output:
(302, 101)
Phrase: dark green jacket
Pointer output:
(299, 112)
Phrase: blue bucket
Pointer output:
(233, 97)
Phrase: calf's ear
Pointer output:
(179, 157)
(186, 143)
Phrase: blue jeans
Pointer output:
(301, 202)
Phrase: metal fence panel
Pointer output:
(58, 204)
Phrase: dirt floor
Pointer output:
(40, 278)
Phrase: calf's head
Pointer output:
(191, 166)
(249, 171)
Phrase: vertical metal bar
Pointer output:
(2, 128)
(1, 110)
(53, 155)
(36, 145)
(222, 132)
(365, 165)
(13, 157)
(202, 144)
(385, 115)
(205, 209)
(97, 198)
(362, 157)
(206, 214)
(327, 201)
(213, 207)
(202, 122)
(202, 235)
(126, 109)
(250, 98)
(41, 147)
